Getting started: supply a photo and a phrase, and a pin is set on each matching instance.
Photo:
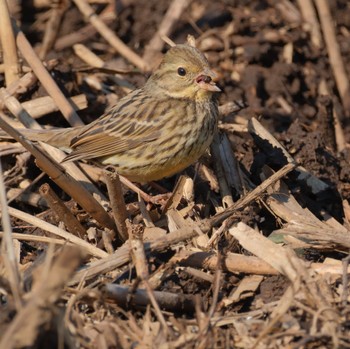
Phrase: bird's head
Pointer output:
(185, 73)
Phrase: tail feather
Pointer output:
(59, 138)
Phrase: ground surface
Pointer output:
(213, 293)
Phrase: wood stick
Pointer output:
(169, 20)
(62, 211)
(46, 79)
(138, 256)
(7, 248)
(93, 60)
(310, 17)
(338, 128)
(8, 43)
(166, 300)
(26, 197)
(40, 303)
(52, 26)
(225, 190)
(116, 198)
(37, 222)
(35, 238)
(15, 107)
(109, 35)
(122, 255)
(335, 58)
(83, 34)
(45, 105)
(23, 84)
(220, 217)
(25, 69)
(61, 178)
(265, 137)
(232, 262)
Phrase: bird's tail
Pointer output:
(59, 138)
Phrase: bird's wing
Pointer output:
(126, 126)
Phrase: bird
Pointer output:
(155, 131)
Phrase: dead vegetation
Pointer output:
(247, 249)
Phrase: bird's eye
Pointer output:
(181, 71)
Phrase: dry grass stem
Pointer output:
(333, 49)
(312, 181)
(122, 255)
(116, 197)
(233, 262)
(22, 115)
(172, 16)
(7, 247)
(178, 193)
(39, 308)
(225, 190)
(52, 26)
(65, 181)
(287, 263)
(62, 211)
(255, 193)
(338, 128)
(247, 248)
(83, 34)
(92, 250)
(8, 43)
(303, 224)
(22, 85)
(93, 60)
(310, 17)
(139, 258)
(29, 237)
(45, 105)
(46, 79)
(166, 300)
(109, 35)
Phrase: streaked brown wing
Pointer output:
(128, 125)
(102, 145)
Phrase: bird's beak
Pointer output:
(206, 81)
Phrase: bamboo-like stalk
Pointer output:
(7, 249)
(170, 19)
(44, 105)
(92, 250)
(309, 15)
(116, 198)
(46, 79)
(64, 214)
(109, 35)
(8, 43)
(61, 178)
(335, 58)
(58, 9)
(17, 109)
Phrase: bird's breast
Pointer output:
(187, 131)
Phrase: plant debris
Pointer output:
(248, 248)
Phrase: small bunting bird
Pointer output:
(155, 131)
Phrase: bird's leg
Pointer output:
(157, 199)
(136, 189)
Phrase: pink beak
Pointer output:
(205, 81)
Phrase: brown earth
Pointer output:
(270, 69)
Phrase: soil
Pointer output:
(248, 44)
